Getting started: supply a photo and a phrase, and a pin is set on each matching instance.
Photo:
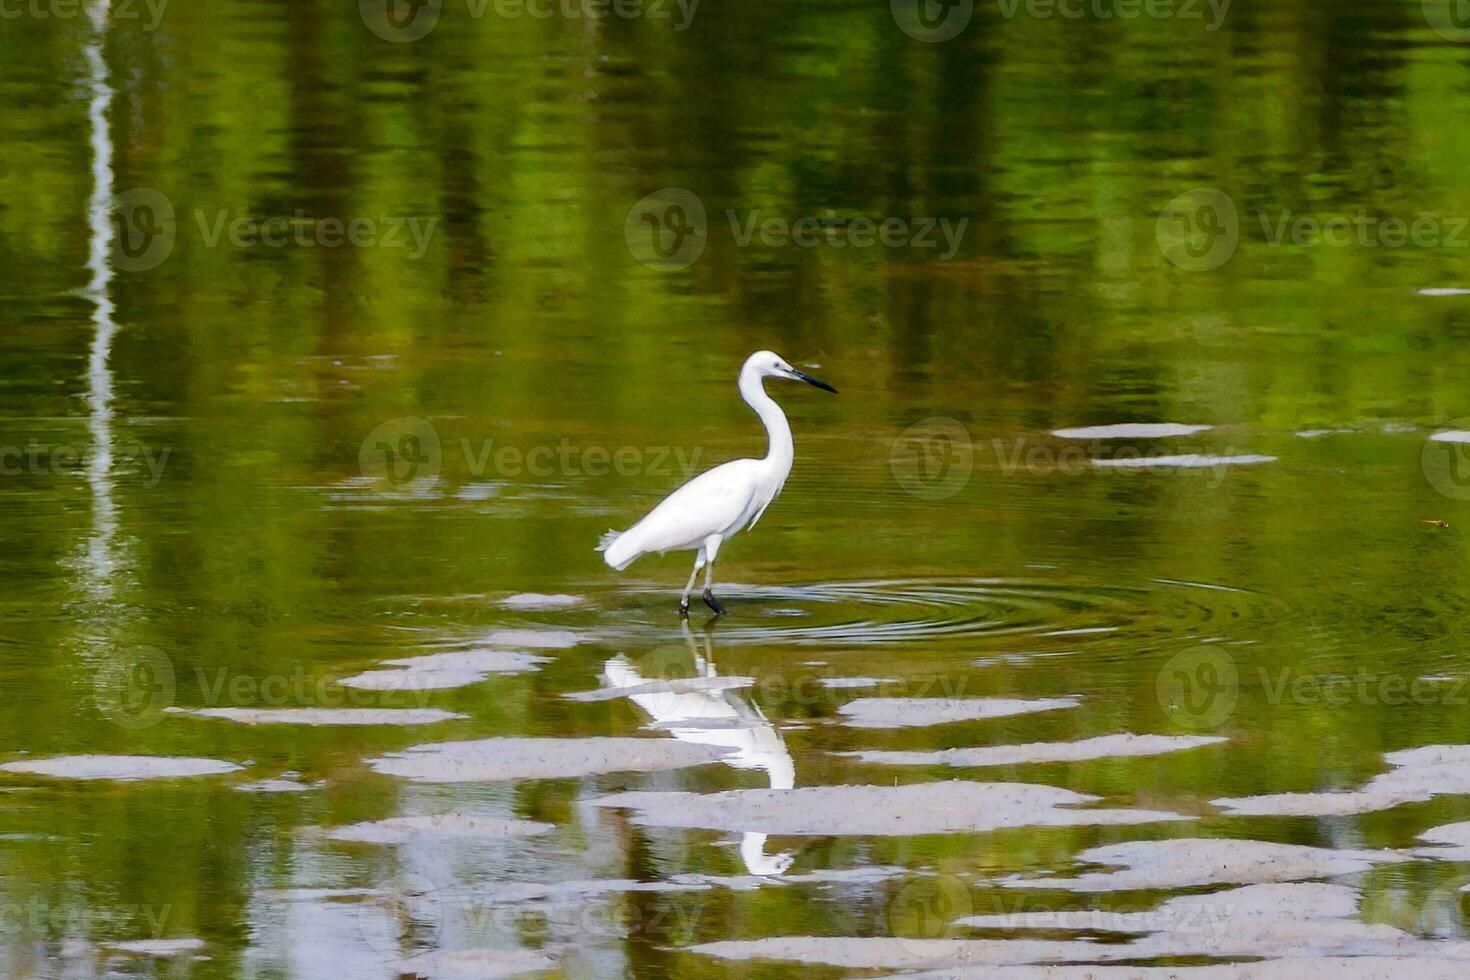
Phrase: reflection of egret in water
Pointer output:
(716, 717)
(99, 558)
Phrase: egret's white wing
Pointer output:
(708, 504)
(761, 505)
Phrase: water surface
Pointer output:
(256, 489)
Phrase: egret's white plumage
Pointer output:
(706, 511)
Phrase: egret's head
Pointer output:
(768, 364)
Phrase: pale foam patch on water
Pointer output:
(441, 671)
(1132, 430)
(521, 892)
(1417, 775)
(1184, 461)
(1444, 291)
(927, 808)
(1319, 433)
(372, 493)
(403, 830)
(1185, 913)
(1337, 804)
(158, 947)
(1189, 862)
(479, 491)
(351, 717)
(1297, 921)
(286, 782)
(539, 600)
(121, 768)
(1450, 435)
(918, 712)
(1297, 968)
(536, 639)
(1449, 842)
(887, 952)
(847, 683)
(1303, 920)
(479, 964)
(493, 759)
(1102, 747)
(280, 785)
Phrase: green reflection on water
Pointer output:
(251, 544)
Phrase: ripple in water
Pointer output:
(913, 610)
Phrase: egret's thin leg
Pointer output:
(688, 588)
(712, 548)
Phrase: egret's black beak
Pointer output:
(814, 382)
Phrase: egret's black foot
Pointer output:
(713, 603)
(684, 608)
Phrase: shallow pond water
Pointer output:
(1113, 615)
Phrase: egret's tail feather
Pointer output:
(616, 550)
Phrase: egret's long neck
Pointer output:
(778, 432)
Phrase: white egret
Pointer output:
(706, 511)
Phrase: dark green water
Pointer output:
(326, 246)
